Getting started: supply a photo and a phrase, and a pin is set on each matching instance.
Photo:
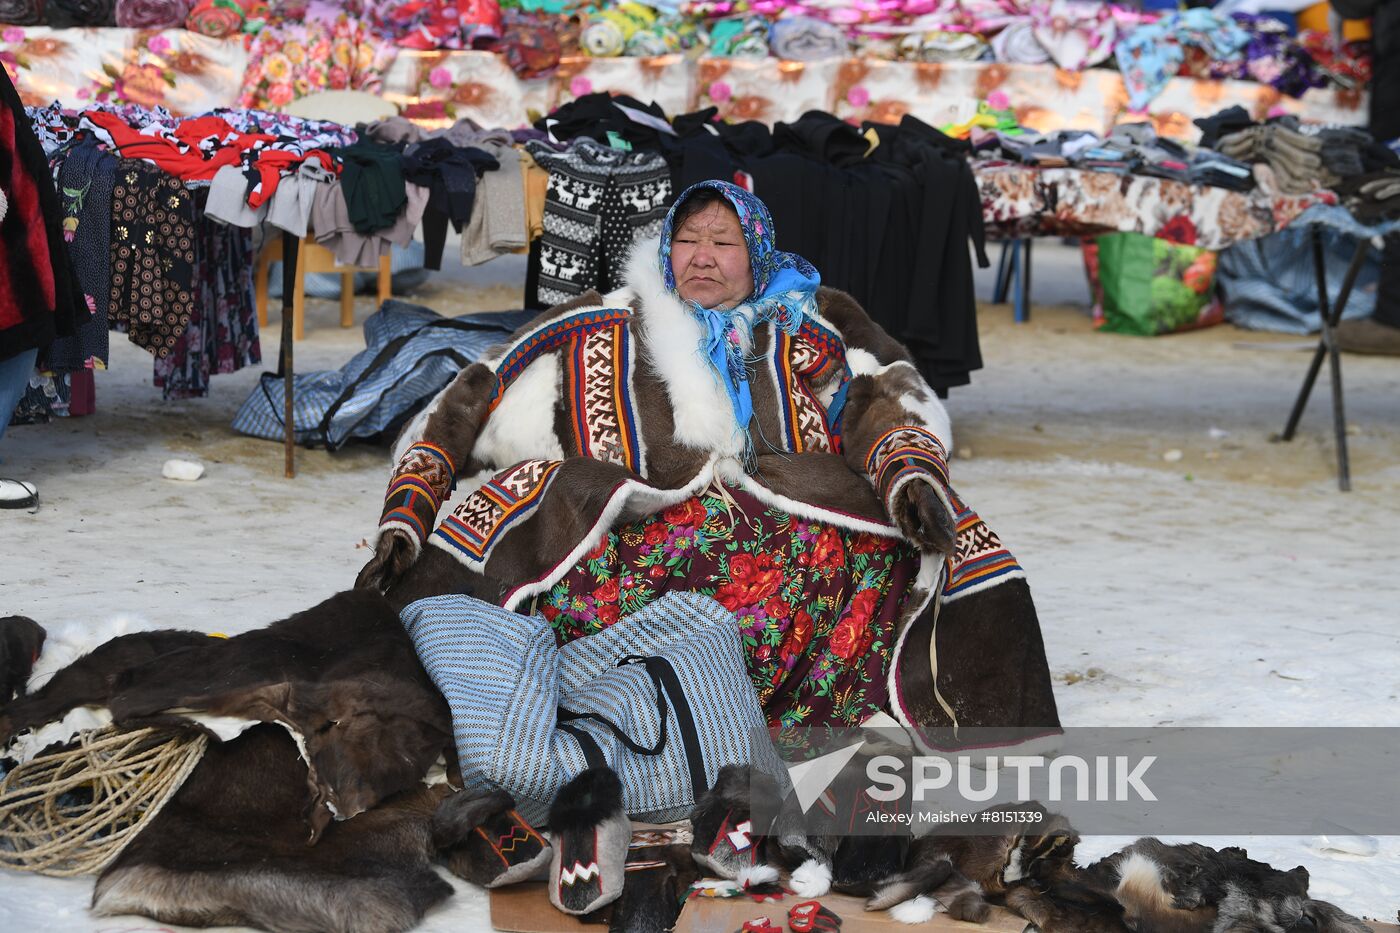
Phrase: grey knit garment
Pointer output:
(498, 221)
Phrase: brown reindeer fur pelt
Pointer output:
(231, 849)
(1152, 887)
(342, 674)
(21, 639)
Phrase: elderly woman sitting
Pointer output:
(725, 425)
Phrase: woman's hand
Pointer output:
(393, 555)
(924, 519)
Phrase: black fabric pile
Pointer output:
(885, 213)
(449, 173)
(64, 14)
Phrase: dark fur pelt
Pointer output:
(1066, 907)
(367, 737)
(1152, 887)
(1193, 887)
(21, 640)
(231, 849)
(653, 893)
(94, 678)
(960, 871)
(587, 800)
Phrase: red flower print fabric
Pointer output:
(816, 606)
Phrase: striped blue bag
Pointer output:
(662, 697)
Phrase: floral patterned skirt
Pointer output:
(816, 605)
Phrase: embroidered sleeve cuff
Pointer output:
(424, 478)
(903, 454)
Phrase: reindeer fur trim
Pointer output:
(586, 801)
(811, 879)
(915, 910)
(703, 416)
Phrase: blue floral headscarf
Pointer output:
(784, 292)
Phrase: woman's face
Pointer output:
(710, 260)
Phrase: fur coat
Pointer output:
(602, 410)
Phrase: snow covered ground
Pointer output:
(1232, 586)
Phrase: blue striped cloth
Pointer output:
(506, 682)
(410, 355)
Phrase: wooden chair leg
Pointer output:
(386, 280)
(347, 299)
(299, 298)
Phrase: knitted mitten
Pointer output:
(591, 833)
(486, 841)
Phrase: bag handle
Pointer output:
(663, 675)
(662, 710)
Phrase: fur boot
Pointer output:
(726, 842)
(591, 834)
(487, 842)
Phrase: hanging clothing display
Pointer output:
(330, 219)
(449, 172)
(153, 255)
(39, 294)
(221, 335)
(85, 177)
(372, 185)
(498, 221)
(599, 201)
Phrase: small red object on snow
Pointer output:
(760, 925)
(812, 917)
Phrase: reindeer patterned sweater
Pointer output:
(602, 410)
(598, 201)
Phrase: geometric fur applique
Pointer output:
(598, 388)
(980, 560)
(477, 524)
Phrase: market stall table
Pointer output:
(188, 73)
(1339, 219)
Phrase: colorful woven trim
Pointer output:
(824, 340)
(514, 843)
(598, 383)
(548, 338)
(980, 560)
(424, 478)
(800, 364)
(474, 527)
(903, 451)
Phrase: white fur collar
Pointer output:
(703, 415)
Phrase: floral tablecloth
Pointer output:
(1018, 201)
(182, 71)
(189, 73)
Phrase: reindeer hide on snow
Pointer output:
(342, 677)
(230, 849)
